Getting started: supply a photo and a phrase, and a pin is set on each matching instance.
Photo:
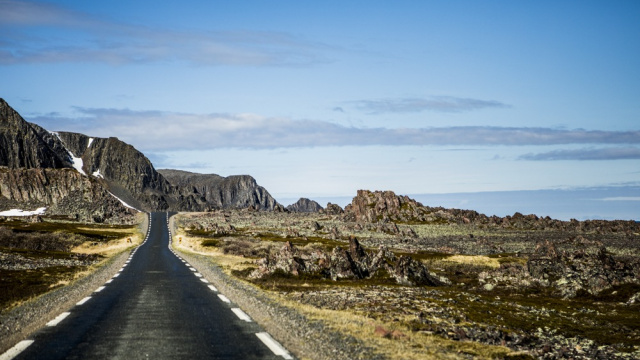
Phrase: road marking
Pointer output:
(197, 274)
(59, 318)
(116, 275)
(192, 269)
(204, 280)
(83, 300)
(16, 349)
(273, 345)
(99, 289)
(213, 288)
(224, 298)
(241, 314)
(109, 281)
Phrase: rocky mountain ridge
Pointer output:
(105, 166)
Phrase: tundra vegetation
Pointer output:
(41, 253)
(416, 282)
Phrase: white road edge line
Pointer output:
(213, 288)
(204, 280)
(241, 314)
(197, 274)
(273, 345)
(99, 289)
(83, 300)
(224, 298)
(58, 318)
(16, 349)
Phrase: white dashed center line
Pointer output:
(241, 314)
(16, 349)
(273, 345)
(83, 300)
(59, 318)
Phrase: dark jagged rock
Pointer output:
(240, 191)
(305, 205)
(354, 263)
(333, 209)
(21, 145)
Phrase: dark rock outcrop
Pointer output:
(353, 263)
(217, 192)
(22, 144)
(305, 205)
(581, 270)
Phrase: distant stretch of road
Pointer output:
(156, 307)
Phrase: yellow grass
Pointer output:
(194, 245)
(478, 260)
(410, 345)
(110, 247)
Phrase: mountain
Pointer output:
(239, 191)
(39, 166)
(305, 205)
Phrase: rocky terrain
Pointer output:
(111, 177)
(432, 282)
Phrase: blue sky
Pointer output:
(320, 99)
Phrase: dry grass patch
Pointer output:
(474, 260)
(227, 262)
(400, 342)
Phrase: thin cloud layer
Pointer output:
(92, 39)
(615, 153)
(433, 103)
(156, 130)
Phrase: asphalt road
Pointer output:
(157, 307)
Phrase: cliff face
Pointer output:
(22, 145)
(105, 166)
(219, 192)
(61, 191)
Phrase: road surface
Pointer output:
(156, 307)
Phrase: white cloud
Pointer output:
(612, 153)
(161, 131)
(433, 103)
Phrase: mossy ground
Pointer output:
(77, 239)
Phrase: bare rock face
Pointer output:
(217, 192)
(305, 205)
(353, 263)
(21, 146)
(61, 191)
